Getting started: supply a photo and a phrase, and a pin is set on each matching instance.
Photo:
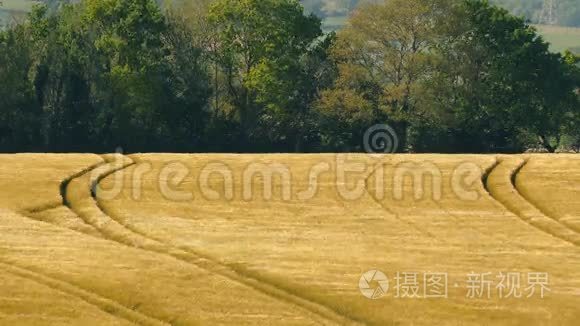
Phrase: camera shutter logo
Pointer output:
(373, 284)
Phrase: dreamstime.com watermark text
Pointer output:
(351, 175)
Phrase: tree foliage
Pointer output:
(261, 45)
(498, 87)
(382, 55)
(260, 76)
(102, 70)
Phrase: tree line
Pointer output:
(261, 76)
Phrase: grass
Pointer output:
(561, 38)
(174, 245)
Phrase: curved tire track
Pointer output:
(105, 304)
(36, 213)
(501, 185)
(81, 195)
(379, 167)
(569, 222)
(62, 190)
(62, 216)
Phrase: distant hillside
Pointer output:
(563, 37)
(567, 12)
(335, 12)
(14, 10)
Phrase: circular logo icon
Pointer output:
(380, 139)
(373, 284)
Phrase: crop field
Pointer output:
(333, 239)
(561, 38)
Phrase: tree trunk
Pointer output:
(298, 144)
(402, 130)
(546, 144)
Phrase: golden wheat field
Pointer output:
(166, 239)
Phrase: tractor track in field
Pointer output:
(563, 221)
(74, 223)
(62, 190)
(37, 213)
(500, 183)
(104, 304)
(115, 229)
(388, 209)
(499, 180)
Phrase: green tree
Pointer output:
(19, 112)
(573, 125)
(110, 73)
(61, 79)
(498, 87)
(260, 45)
(153, 79)
(287, 91)
(382, 55)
